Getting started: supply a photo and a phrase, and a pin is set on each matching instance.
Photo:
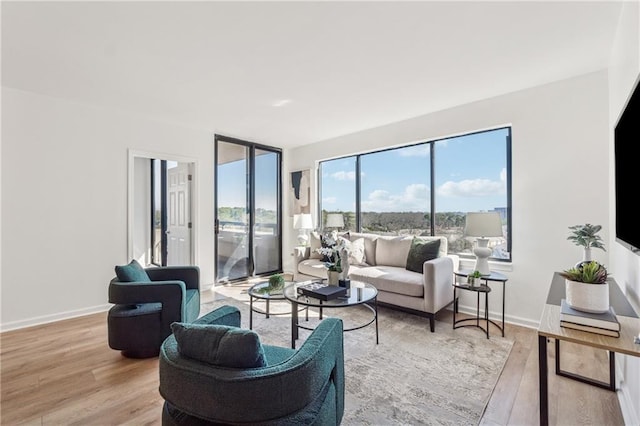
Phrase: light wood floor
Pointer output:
(64, 373)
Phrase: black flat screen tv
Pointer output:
(627, 173)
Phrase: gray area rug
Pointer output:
(412, 377)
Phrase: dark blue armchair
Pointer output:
(293, 387)
(146, 302)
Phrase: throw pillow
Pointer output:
(132, 272)
(315, 243)
(357, 252)
(420, 252)
(220, 345)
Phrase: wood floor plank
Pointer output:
(64, 373)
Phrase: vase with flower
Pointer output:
(335, 253)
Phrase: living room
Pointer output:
(68, 130)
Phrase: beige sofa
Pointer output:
(384, 266)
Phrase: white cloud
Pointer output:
(415, 197)
(329, 200)
(342, 175)
(474, 187)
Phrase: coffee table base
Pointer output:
(295, 324)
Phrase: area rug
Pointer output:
(412, 377)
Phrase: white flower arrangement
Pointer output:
(335, 249)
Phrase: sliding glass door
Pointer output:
(248, 208)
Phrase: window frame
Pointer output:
(432, 164)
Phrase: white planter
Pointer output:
(586, 297)
(333, 277)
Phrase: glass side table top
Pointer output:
(261, 291)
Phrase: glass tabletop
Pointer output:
(366, 293)
(261, 290)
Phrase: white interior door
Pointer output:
(179, 214)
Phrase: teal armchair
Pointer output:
(146, 302)
(293, 387)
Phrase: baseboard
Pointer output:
(497, 316)
(624, 398)
(45, 319)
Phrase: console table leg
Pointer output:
(542, 374)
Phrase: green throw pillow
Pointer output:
(220, 345)
(132, 272)
(420, 252)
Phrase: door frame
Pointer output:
(253, 146)
(131, 157)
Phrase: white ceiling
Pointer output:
(344, 66)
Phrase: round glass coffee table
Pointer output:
(359, 293)
(260, 291)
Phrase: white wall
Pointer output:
(624, 71)
(560, 151)
(64, 201)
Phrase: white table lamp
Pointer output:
(303, 223)
(483, 226)
(334, 220)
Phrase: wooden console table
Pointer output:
(550, 328)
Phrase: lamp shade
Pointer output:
(302, 221)
(484, 224)
(335, 220)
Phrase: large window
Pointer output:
(248, 204)
(424, 189)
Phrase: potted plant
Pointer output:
(276, 282)
(473, 277)
(587, 288)
(585, 236)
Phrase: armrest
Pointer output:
(281, 390)
(456, 261)
(190, 275)
(224, 315)
(130, 293)
(171, 294)
(437, 275)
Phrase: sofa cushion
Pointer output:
(442, 251)
(391, 279)
(220, 345)
(369, 245)
(392, 251)
(421, 251)
(357, 257)
(313, 267)
(315, 243)
(132, 272)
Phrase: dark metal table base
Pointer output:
(266, 311)
(588, 380)
(474, 322)
(295, 325)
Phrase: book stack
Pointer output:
(605, 323)
(321, 291)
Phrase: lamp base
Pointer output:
(482, 253)
(303, 239)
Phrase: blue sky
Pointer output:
(232, 183)
(470, 175)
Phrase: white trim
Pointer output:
(195, 217)
(624, 396)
